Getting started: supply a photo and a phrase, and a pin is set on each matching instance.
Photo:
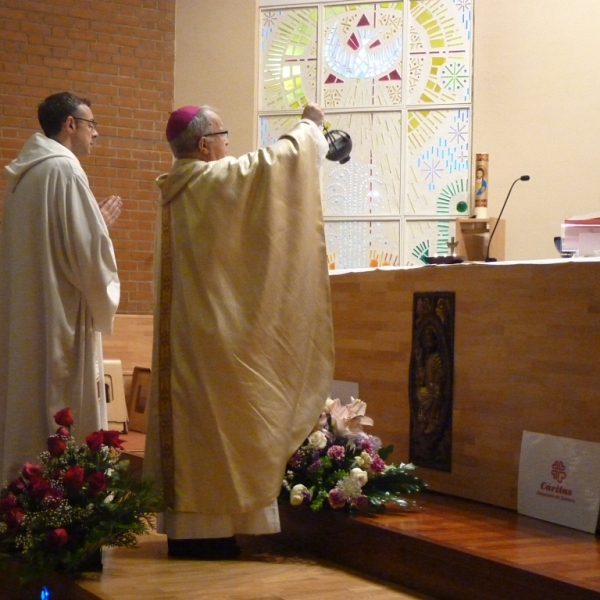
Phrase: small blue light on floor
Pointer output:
(44, 594)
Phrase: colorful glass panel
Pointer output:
(396, 76)
(439, 50)
(362, 55)
(288, 58)
(437, 177)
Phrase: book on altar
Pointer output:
(587, 219)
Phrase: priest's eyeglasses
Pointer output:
(224, 134)
(92, 122)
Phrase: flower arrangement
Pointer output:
(341, 466)
(57, 514)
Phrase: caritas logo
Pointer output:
(559, 472)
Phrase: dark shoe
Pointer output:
(204, 549)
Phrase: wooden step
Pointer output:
(455, 549)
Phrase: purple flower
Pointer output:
(364, 443)
(361, 503)
(336, 498)
(296, 459)
(315, 466)
(377, 465)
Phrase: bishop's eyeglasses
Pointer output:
(224, 134)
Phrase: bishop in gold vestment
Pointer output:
(243, 348)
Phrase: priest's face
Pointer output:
(85, 131)
(213, 145)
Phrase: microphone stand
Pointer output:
(487, 254)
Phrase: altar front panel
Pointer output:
(526, 357)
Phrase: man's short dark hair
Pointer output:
(55, 109)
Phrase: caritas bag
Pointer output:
(559, 480)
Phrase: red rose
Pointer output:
(94, 440)
(111, 439)
(8, 502)
(16, 486)
(53, 498)
(63, 432)
(31, 471)
(73, 477)
(56, 538)
(13, 519)
(64, 417)
(96, 483)
(56, 445)
(39, 488)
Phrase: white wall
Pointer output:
(216, 63)
(536, 91)
(536, 95)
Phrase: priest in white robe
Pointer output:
(59, 288)
(243, 349)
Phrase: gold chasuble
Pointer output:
(243, 309)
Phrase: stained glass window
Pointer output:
(397, 77)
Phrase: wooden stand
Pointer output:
(473, 237)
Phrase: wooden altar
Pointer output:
(526, 357)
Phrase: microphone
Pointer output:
(487, 254)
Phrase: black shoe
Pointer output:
(204, 548)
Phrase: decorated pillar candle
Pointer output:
(481, 185)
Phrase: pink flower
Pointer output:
(63, 432)
(56, 445)
(95, 440)
(336, 452)
(111, 439)
(336, 498)
(73, 477)
(96, 483)
(56, 538)
(64, 417)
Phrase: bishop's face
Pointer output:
(213, 144)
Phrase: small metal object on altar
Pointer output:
(449, 259)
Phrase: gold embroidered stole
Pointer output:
(165, 408)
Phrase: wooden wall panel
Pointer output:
(130, 342)
(527, 341)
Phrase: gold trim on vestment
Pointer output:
(165, 408)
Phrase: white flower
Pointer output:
(317, 440)
(361, 476)
(348, 419)
(350, 487)
(298, 494)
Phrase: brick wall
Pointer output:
(120, 55)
